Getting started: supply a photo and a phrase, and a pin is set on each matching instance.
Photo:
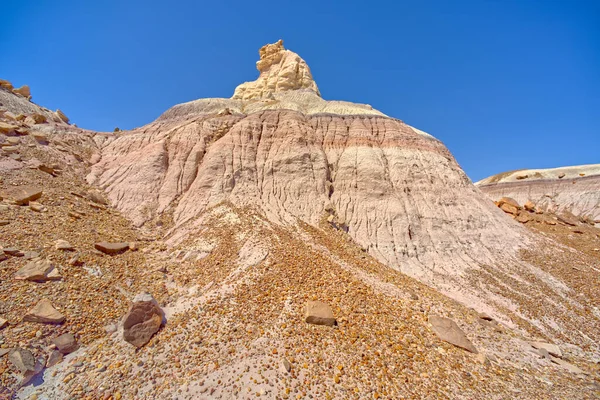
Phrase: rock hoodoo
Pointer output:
(280, 70)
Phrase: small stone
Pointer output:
(568, 366)
(55, 358)
(549, 347)
(485, 317)
(3, 323)
(4, 222)
(61, 244)
(66, 343)
(61, 115)
(22, 195)
(112, 248)
(97, 197)
(44, 313)
(38, 271)
(35, 206)
(529, 206)
(11, 251)
(286, 364)
(319, 313)
(22, 359)
(450, 332)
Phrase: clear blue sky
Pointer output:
(505, 84)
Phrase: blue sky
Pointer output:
(505, 84)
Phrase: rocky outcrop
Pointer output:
(568, 189)
(17, 102)
(280, 70)
(297, 157)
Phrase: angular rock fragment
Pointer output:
(61, 244)
(566, 365)
(549, 347)
(4, 84)
(23, 91)
(39, 271)
(3, 323)
(37, 207)
(97, 198)
(66, 343)
(55, 358)
(22, 359)
(43, 312)
(22, 195)
(529, 206)
(508, 205)
(143, 320)
(523, 218)
(319, 313)
(112, 248)
(7, 128)
(11, 251)
(450, 332)
(61, 115)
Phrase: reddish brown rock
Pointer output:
(66, 343)
(61, 115)
(55, 358)
(143, 320)
(523, 218)
(529, 206)
(44, 313)
(112, 248)
(22, 195)
(39, 271)
(23, 91)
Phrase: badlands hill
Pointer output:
(575, 189)
(278, 245)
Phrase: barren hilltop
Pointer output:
(279, 245)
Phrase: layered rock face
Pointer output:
(573, 189)
(280, 70)
(297, 157)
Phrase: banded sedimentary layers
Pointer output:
(573, 189)
(297, 158)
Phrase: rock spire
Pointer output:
(280, 70)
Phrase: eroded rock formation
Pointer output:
(280, 70)
(575, 189)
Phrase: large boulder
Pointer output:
(39, 271)
(450, 332)
(319, 313)
(143, 320)
(44, 313)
